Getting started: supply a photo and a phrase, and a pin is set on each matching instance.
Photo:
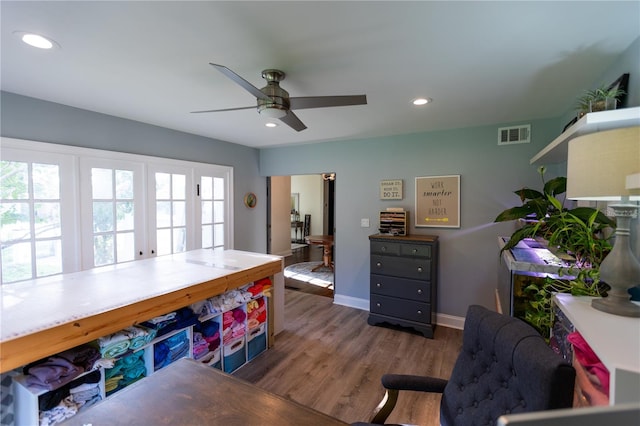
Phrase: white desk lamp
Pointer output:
(598, 168)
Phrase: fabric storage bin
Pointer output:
(213, 359)
(234, 355)
(256, 341)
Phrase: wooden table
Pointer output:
(190, 393)
(326, 241)
(45, 316)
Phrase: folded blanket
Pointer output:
(114, 345)
(139, 336)
(51, 373)
(67, 408)
(84, 356)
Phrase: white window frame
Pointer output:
(70, 244)
(227, 174)
(190, 201)
(86, 201)
(75, 243)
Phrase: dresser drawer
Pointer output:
(419, 269)
(385, 247)
(401, 308)
(416, 250)
(400, 287)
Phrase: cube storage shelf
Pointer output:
(227, 357)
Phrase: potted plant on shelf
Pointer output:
(578, 233)
(599, 99)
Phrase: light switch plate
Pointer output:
(364, 222)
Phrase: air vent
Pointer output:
(515, 134)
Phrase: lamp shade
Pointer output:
(598, 165)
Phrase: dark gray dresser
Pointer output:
(403, 281)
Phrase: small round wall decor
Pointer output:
(250, 200)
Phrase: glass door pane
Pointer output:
(30, 220)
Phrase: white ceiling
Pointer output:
(481, 62)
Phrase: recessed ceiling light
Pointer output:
(422, 101)
(271, 124)
(36, 40)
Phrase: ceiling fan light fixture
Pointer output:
(421, 101)
(272, 111)
(36, 40)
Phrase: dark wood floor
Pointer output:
(306, 254)
(330, 359)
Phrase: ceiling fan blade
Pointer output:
(305, 102)
(225, 109)
(293, 121)
(241, 81)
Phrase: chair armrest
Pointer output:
(394, 383)
(413, 383)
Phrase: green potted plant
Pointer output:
(599, 99)
(579, 233)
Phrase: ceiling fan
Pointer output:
(274, 101)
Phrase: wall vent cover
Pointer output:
(514, 134)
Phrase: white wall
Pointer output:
(310, 188)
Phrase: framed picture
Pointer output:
(438, 201)
(250, 200)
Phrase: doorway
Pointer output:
(301, 206)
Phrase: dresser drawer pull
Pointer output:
(419, 268)
(383, 248)
(419, 291)
(378, 285)
(419, 312)
(415, 251)
(379, 264)
(378, 304)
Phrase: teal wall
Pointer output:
(469, 256)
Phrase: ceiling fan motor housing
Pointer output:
(278, 104)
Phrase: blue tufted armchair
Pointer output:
(504, 367)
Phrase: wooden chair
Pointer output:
(504, 367)
(306, 228)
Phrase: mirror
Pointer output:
(295, 207)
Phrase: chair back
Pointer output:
(504, 367)
(306, 231)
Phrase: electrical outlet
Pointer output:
(364, 222)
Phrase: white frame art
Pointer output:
(438, 201)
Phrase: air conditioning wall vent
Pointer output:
(514, 134)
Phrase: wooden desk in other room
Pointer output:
(326, 241)
(190, 393)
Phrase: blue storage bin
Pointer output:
(234, 355)
(257, 341)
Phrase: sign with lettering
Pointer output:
(438, 201)
(391, 189)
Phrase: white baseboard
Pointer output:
(352, 302)
(443, 320)
(450, 321)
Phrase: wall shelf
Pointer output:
(556, 151)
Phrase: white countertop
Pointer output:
(31, 306)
